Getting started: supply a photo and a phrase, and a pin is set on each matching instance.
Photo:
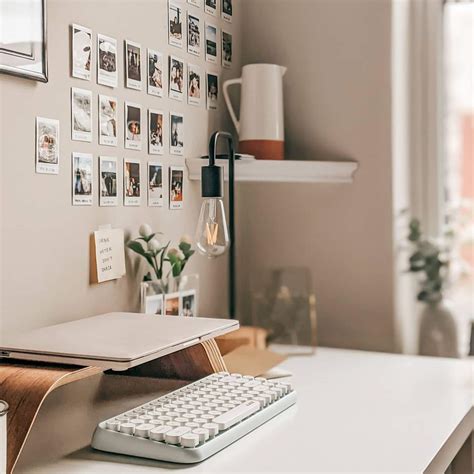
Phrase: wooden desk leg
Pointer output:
(25, 387)
(464, 461)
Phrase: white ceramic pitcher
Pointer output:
(260, 125)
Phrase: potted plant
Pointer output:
(429, 261)
(159, 257)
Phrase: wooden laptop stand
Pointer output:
(25, 385)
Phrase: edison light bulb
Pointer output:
(212, 236)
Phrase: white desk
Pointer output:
(356, 412)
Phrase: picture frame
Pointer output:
(27, 58)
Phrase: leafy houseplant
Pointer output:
(438, 334)
(431, 260)
(157, 255)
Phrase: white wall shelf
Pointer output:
(286, 171)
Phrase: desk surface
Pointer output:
(356, 411)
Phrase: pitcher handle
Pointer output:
(228, 83)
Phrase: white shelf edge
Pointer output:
(285, 171)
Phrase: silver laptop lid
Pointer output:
(121, 337)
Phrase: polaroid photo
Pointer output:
(155, 132)
(155, 184)
(81, 52)
(154, 304)
(196, 3)
(131, 182)
(211, 43)
(133, 126)
(107, 74)
(81, 115)
(226, 49)
(155, 73)
(108, 181)
(133, 65)
(176, 78)
(82, 170)
(176, 133)
(194, 35)
(226, 12)
(176, 182)
(210, 7)
(47, 146)
(188, 303)
(175, 25)
(194, 85)
(172, 304)
(107, 120)
(212, 91)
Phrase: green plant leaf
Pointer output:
(136, 247)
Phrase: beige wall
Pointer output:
(337, 105)
(45, 240)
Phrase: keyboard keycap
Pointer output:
(173, 436)
(158, 433)
(189, 440)
(203, 434)
(235, 415)
(127, 428)
(143, 431)
(213, 428)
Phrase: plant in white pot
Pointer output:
(157, 256)
(429, 260)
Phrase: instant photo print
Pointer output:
(131, 182)
(82, 174)
(81, 52)
(47, 146)
(155, 73)
(175, 25)
(176, 133)
(194, 35)
(133, 65)
(108, 181)
(155, 132)
(210, 7)
(155, 184)
(133, 126)
(81, 115)
(176, 183)
(107, 120)
(107, 74)
(211, 43)
(212, 91)
(194, 85)
(176, 78)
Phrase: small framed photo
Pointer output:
(196, 3)
(210, 7)
(176, 133)
(176, 78)
(82, 171)
(176, 182)
(81, 52)
(47, 146)
(81, 115)
(107, 73)
(108, 181)
(154, 305)
(194, 85)
(212, 91)
(131, 182)
(133, 126)
(226, 49)
(211, 43)
(155, 73)
(188, 303)
(155, 184)
(175, 25)
(194, 35)
(133, 65)
(107, 120)
(226, 12)
(155, 132)
(172, 304)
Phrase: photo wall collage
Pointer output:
(144, 128)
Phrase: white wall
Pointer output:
(337, 106)
(45, 240)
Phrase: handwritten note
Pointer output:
(108, 254)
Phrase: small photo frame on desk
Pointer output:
(188, 303)
(172, 304)
(154, 305)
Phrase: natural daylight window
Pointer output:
(459, 147)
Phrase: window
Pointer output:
(458, 177)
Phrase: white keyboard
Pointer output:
(194, 422)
